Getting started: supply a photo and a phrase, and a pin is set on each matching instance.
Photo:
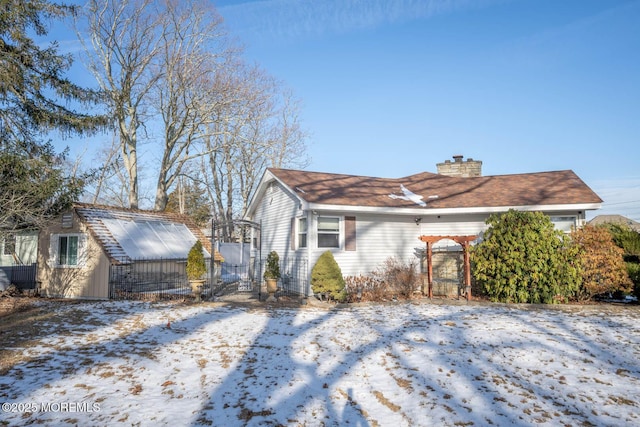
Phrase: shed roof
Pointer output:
(436, 191)
(127, 234)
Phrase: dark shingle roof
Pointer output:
(439, 191)
(616, 219)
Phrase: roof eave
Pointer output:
(452, 211)
(267, 178)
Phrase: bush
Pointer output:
(394, 279)
(625, 238)
(524, 259)
(402, 279)
(633, 268)
(603, 268)
(326, 278)
(629, 240)
(365, 288)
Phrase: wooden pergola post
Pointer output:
(464, 241)
(429, 270)
(467, 268)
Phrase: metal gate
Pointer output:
(448, 272)
(234, 278)
(247, 278)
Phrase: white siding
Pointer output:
(453, 225)
(274, 212)
(380, 237)
(26, 249)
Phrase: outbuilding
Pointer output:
(78, 252)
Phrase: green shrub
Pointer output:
(633, 268)
(196, 266)
(629, 240)
(326, 278)
(272, 270)
(524, 259)
(626, 238)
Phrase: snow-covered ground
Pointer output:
(407, 364)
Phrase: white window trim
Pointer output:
(558, 220)
(299, 232)
(54, 245)
(339, 232)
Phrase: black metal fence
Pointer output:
(23, 275)
(240, 278)
(144, 279)
(294, 272)
(152, 279)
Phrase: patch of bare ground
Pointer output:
(21, 320)
(386, 402)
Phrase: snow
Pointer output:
(134, 235)
(409, 195)
(403, 364)
(151, 239)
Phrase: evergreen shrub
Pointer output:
(196, 266)
(524, 259)
(326, 278)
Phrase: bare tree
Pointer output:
(110, 185)
(194, 45)
(124, 52)
(173, 59)
(157, 58)
(256, 126)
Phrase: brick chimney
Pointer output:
(460, 168)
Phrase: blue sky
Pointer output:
(392, 87)
(389, 88)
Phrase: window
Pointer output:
(68, 250)
(9, 245)
(328, 232)
(564, 223)
(302, 232)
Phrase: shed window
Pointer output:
(328, 232)
(67, 250)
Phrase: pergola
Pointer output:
(464, 241)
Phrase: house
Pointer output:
(18, 259)
(77, 253)
(617, 220)
(365, 220)
(19, 248)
